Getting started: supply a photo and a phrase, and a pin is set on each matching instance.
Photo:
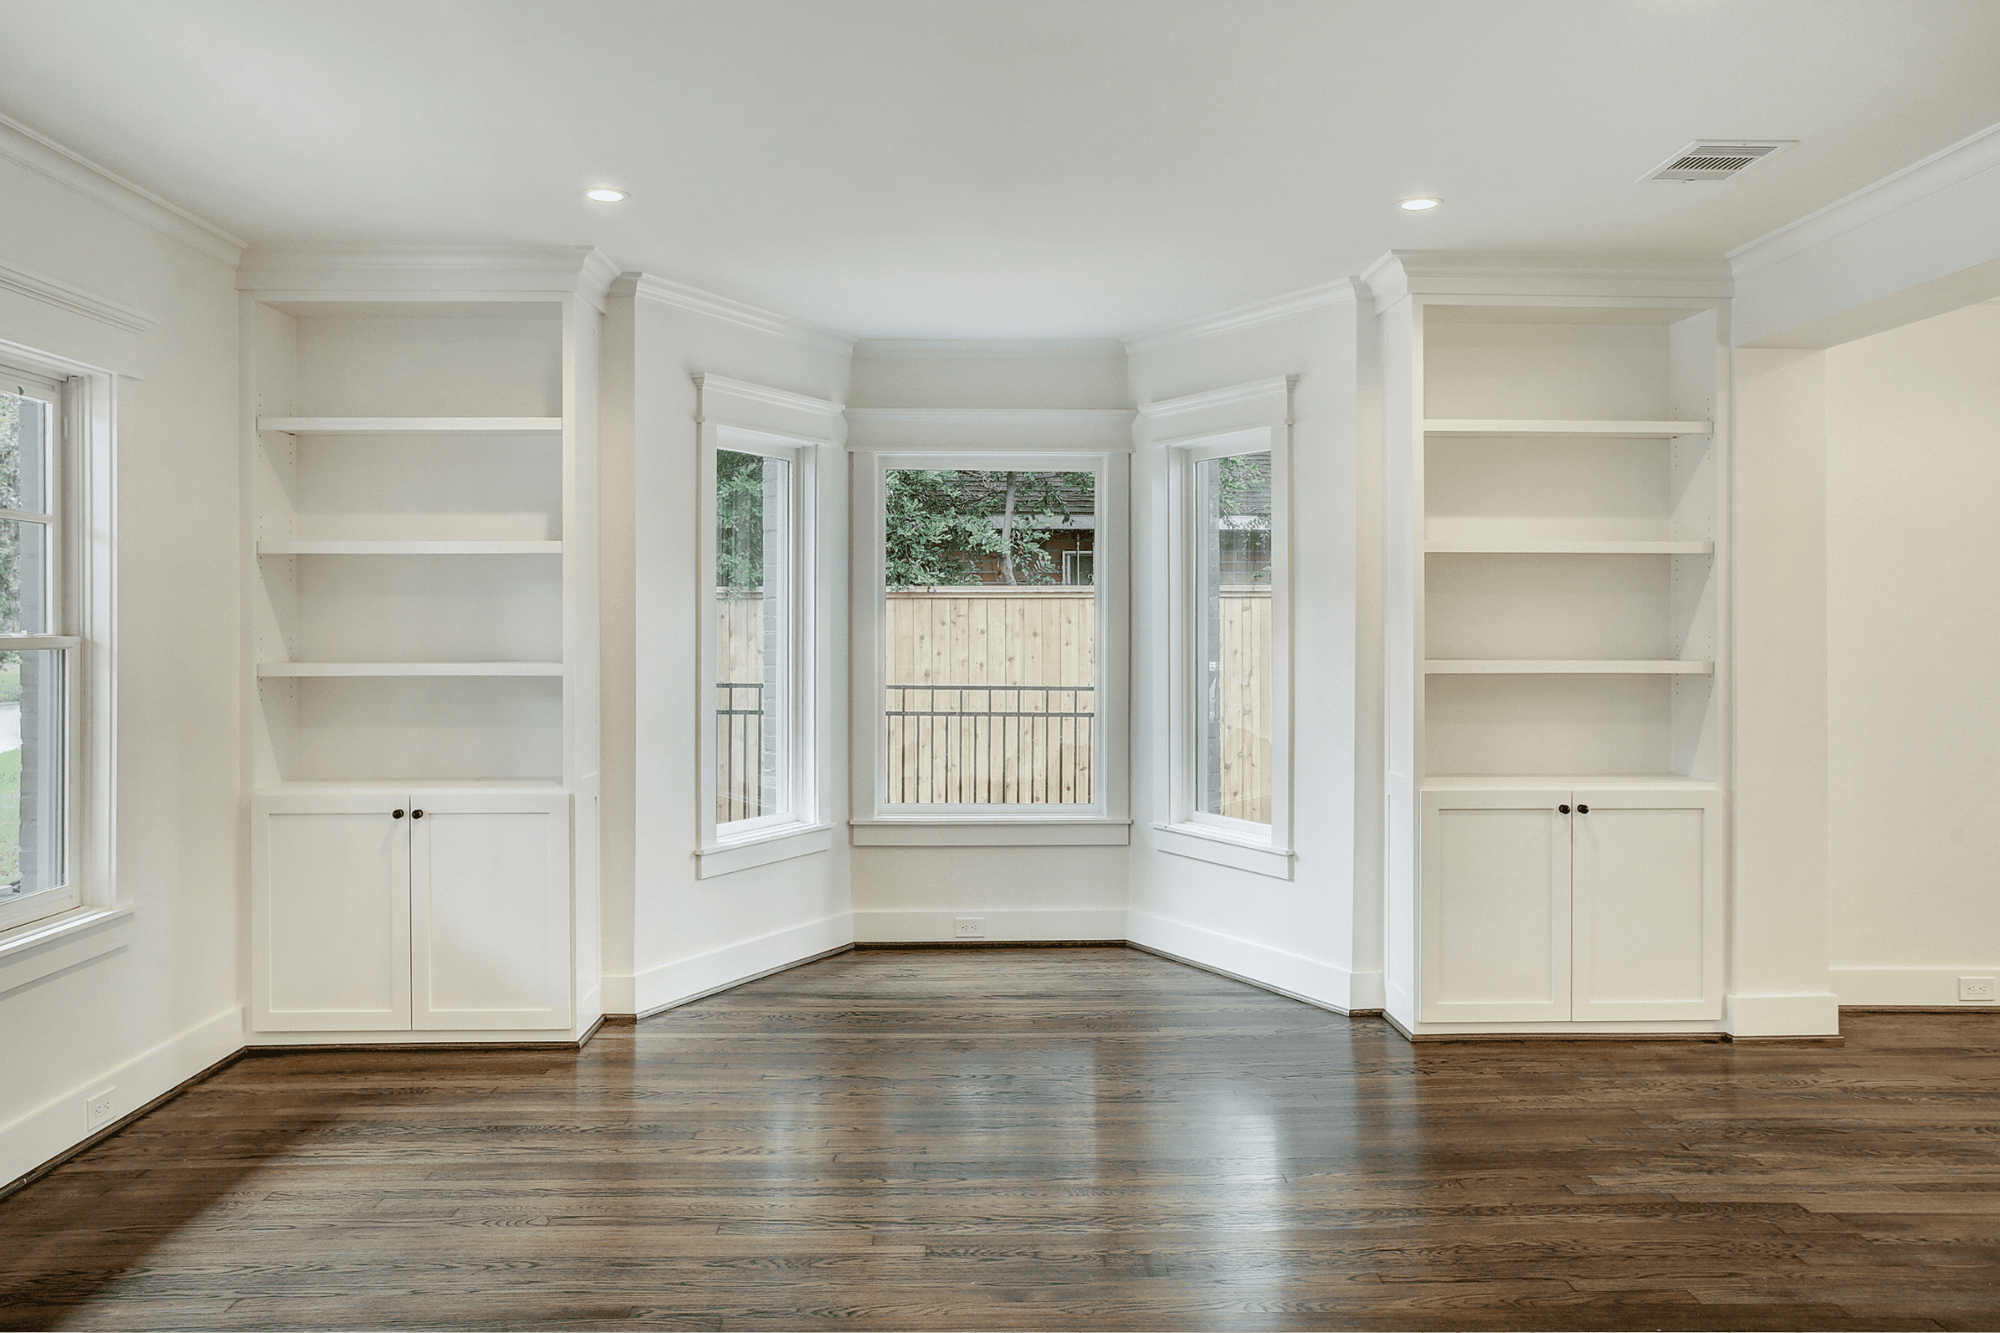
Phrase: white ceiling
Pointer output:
(998, 168)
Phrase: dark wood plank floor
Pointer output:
(1041, 1139)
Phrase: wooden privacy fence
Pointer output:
(991, 698)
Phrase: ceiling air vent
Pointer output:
(1713, 159)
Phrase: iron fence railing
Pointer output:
(991, 744)
(739, 748)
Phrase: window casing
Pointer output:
(1229, 782)
(760, 695)
(1021, 730)
(38, 650)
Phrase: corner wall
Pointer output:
(143, 1003)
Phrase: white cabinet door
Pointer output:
(330, 913)
(490, 910)
(1496, 907)
(1648, 905)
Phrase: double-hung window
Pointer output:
(37, 652)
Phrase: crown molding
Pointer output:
(1025, 416)
(541, 270)
(1209, 400)
(1340, 292)
(1899, 189)
(1451, 273)
(759, 393)
(51, 291)
(45, 157)
(665, 291)
(991, 348)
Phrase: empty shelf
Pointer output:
(1600, 429)
(412, 425)
(268, 669)
(1473, 666)
(408, 548)
(1568, 548)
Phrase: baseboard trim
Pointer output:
(130, 1118)
(1908, 988)
(744, 981)
(1489, 1038)
(1210, 968)
(1966, 1008)
(912, 945)
(685, 980)
(1308, 980)
(1734, 1040)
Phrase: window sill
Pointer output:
(993, 832)
(762, 849)
(56, 944)
(1199, 842)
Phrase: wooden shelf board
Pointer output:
(270, 669)
(412, 425)
(1644, 430)
(408, 548)
(1568, 548)
(1538, 781)
(1472, 666)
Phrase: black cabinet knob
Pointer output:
(1562, 809)
(1581, 809)
(395, 814)
(416, 814)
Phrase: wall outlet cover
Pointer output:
(97, 1109)
(1976, 988)
(969, 927)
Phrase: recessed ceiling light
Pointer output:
(1423, 203)
(605, 195)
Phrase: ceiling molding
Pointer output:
(1454, 273)
(991, 348)
(44, 156)
(1340, 292)
(541, 270)
(1026, 416)
(77, 301)
(1277, 387)
(665, 291)
(711, 385)
(1899, 189)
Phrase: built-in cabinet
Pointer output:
(427, 910)
(421, 635)
(1555, 633)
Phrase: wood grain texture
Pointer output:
(1041, 1139)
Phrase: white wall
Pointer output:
(164, 1003)
(1314, 935)
(668, 935)
(1912, 480)
(1024, 893)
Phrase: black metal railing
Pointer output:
(739, 748)
(991, 744)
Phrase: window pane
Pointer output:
(24, 578)
(31, 772)
(753, 613)
(1232, 545)
(990, 637)
(27, 434)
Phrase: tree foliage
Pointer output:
(940, 524)
(739, 521)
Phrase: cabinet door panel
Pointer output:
(330, 914)
(491, 911)
(1648, 898)
(1496, 917)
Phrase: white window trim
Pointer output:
(1241, 419)
(1105, 822)
(748, 418)
(66, 934)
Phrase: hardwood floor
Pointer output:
(1041, 1139)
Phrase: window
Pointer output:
(762, 700)
(991, 669)
(36, 653)
(1230, 518)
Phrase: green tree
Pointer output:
(940, 524)
(739, 521)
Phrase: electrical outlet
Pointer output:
(97, 1111)
(970, 927)
(1975, 988)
